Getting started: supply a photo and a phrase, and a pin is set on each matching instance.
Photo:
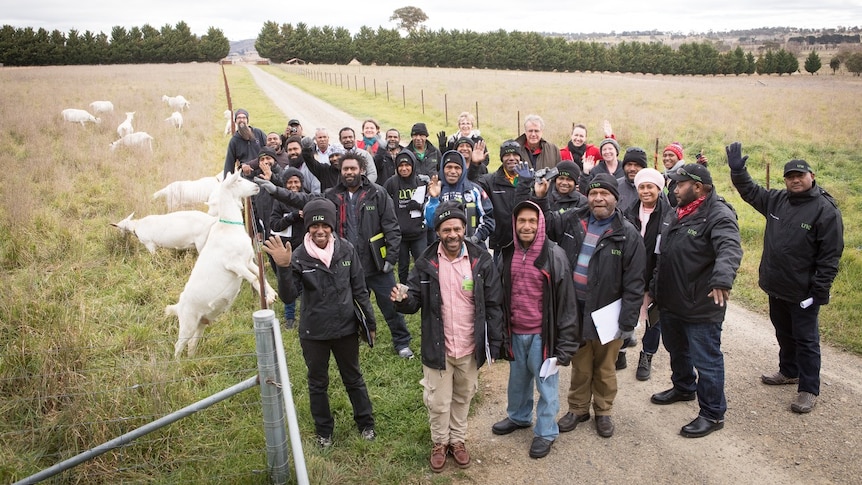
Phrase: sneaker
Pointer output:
(460, 454)
(644, 367)
(405, 353)
(368, 434)
(778, 379)
(621, 361)
(323, 441)
(438, 457)
(803, 403)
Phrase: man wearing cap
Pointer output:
(506, 188)
(425, 152)
(541, 330)
(457, 287)
(262, 206)
(409, 209)
(564, 193)
(476, 155)
(699, 255)
(244, 146)
(452, 184)
(606, 257)
(335, 304)
(802, 246)
(294, 128)
(535, 149)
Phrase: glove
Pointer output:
(423, 178)
(474, 239)
(735, 160)
(307, 143)
(627, 334)
(441, 140)
(387, 267)
(820, 301)
(524, 170)
(413, 205)
(266, 185)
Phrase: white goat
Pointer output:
(177, 102)
(79, 116)
(125, 127)
(176, 119)
(189, 193)
(226, 260)
(177, 230)
(102, 107)
(138, 139)
(229, 118)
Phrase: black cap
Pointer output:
(293, 122)
(419, 129)
(691, 171)
(267, 151)
(797, 166)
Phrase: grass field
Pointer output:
(85, 348)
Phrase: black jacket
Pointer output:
(561, 331)
(616, 269)
(430, 163)
(424, 293)
(562, 203)
(657, 221)
(699, 253)
(243, 151)
(401, 191)
(504, 196)
(331, 297)
(802, 243)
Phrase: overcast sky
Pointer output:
(240, 19)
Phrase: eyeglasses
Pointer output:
(692, 176)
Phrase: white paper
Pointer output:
(418, 196)
(607, 321)
(549, 368)
(806, 303)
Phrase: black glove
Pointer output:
(820, 301)
(441, 140)
(413, 205)
(735, 160)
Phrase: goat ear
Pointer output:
(232, 177)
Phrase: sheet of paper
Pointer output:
(607, 321)
(549, 368)
(418, 196)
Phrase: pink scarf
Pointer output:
(324, 254)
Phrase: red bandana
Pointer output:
(691, 207)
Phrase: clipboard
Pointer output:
(378, 250)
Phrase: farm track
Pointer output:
(763, 441)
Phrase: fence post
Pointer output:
(422, 95)
(404, 95)
(387, 91)
(446, 108)
(270, 395)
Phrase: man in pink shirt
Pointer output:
(456, 285)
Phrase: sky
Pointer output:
(240, 20)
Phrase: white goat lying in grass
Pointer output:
(177, 230)
(184, 194)
(138, 139)
(226, 260)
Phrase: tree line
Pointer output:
(28, 47)
(528, 51)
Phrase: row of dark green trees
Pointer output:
(28, 47)
(528, 51)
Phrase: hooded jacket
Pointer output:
(429, 164)
(243, 151)
(401, 190)
(562, 203)
(477, 205)
(284, 216)
(696, 254)
(802, 243)
(504, 196)
(560, 328)
(424, 293)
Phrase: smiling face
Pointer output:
(273, 140)
(631, 169)
(347, 139)
(526, 225)
(451, 234)
(393, 139)
(350, 172)
(534, 133)
(452, 171)
(405, 169)
(465, 126)
(369, 129)
(564, 185)
(609, 152)
(669, 159)
(293, 184)
(320, 234)
(648, 193)
(799, 182)
(510, 161)
(579, 136)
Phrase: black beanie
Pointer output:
(419, 129)
(319, 210)
(605, 181)
(636, 155)
(448, 210)
(568, 168)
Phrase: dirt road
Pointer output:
(763, 442)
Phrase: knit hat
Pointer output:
(568, 168)
(797, 166)
(650, 175)
(448, 210)
(612, 142)
(268, 152)
(509, 146)
(419, 129)
(636, 155)
(676, 148)
(692, 171)
(452, 157)
(319, 210)
(241, 112)
(605, 181)
(463, 140)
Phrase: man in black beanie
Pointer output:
(427, 155)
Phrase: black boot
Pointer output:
(621, 361)
(644, 366)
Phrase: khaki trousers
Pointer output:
(447, 396)
(594, 376)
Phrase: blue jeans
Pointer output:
(408, 248)
(381, 284)
(652, 335)
(798, 335)
(523, 371)
(696, 345)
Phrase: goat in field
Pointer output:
(226, 260)
(79, 116)
(176, 119)
(177, 102)
(184, 194)
(177, 230)
(229, 118)
(102, 107)
(125, 127)
(139, 139)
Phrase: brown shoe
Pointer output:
(804, 402)
(778, 379)
(460, 454)
(438, 457)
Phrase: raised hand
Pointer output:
(735, 160)
(435, 186)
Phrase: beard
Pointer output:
(244, 131)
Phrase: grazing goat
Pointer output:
(138, 139)
(79, 116)
(102, 107)
(125, 127)
(177, 102)
(176, 119)
(229, 117)
(177, 230)
(226, 260)
(184, 194)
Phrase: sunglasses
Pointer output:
(692, 176)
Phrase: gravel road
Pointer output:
(762, 442)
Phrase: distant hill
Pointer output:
(242, 46)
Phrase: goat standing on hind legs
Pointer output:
(226, 260)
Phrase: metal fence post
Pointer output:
(270, 396)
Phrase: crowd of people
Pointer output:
(554, 258)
